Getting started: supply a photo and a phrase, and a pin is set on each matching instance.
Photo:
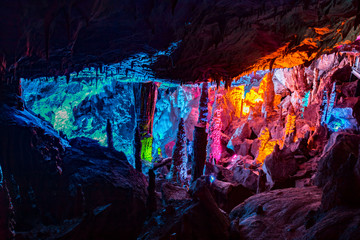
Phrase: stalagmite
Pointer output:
(179, 158)
(332, 102)
(261, 183)
(200, 136)
(151, 199)
(137, 144)
(324, 107)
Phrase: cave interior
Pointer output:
(179, 119)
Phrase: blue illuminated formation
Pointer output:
(341, 119)
(81, 106)
(212, 178)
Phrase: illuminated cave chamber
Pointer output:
(267, 130)
(180, 120)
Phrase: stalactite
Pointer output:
(178, 171)
(324, 107)
(67, 78)
(268, 93)
(315, 83)
(214, 145)
(332, 102)
(109, 134)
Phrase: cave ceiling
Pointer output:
(218, 38)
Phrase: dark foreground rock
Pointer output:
(67, 191)
(226, 195)
(199, 219)
(339, 171)
(278, 214)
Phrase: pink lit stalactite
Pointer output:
(215, 137)
(214, 144)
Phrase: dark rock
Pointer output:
(227, 195)
(339, 171)
(113, 192)
(261, 182)
(278, 214)
(6, 212)
(348, 89)
(52, 181)
(338, 223)
(244, 147)
(190, 219)
(241, 133)
(279, 167)
(254, 150)
(172, 193)
(246, 177)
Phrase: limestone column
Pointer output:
(200, 136)
(145, 101)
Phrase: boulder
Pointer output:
(246, 177)
(241, 133)
(243, 148)
(278, 214)
(171, 192)
(190, 219)
(254, 150)
(227, 195)
(279, 166)
(336, 224)
(339, 171)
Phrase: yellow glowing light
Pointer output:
(267, 145)
(246, 110)
(236, 96)
(146, 148)
(290, 124)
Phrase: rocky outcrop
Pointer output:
(279, 167)
(278, 214)
(50, 180)
(339, 171)
(226, 195)
(199, 218)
